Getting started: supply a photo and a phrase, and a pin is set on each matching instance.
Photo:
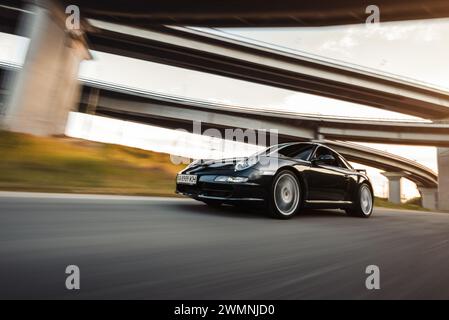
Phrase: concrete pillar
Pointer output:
(92, 102)
(47, 87)
(394, 186)
(443, 179)
(429, 197)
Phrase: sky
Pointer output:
(413, 50)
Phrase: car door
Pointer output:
(351, 178)
(326, 182)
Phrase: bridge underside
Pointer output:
(254, 13)
(201, 51)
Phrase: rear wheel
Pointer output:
(285, 197)
(363, 206)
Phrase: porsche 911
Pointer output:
(284, 179)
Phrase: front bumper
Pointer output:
(208, 189)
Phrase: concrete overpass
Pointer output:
(179, 112)
(253, 13)
(202, 51)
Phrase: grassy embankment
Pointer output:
(412, 204)
(31, 163)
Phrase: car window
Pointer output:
(322, 151)
(339, 162)
(300, 151)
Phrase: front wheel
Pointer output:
(285, 198)
(363, 206)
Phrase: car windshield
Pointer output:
(265, 151)
(301, 151)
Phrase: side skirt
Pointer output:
(327, 204)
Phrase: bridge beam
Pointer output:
(394, 186)
(47, 87)
(443, 179)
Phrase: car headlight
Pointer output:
(231, 179)
(245, 164)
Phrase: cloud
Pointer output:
(356, 36)
(416, 32)
(342, 45)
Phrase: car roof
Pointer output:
(318, 144)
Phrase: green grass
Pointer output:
(31, 163)
(411, 204)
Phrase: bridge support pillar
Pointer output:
(394, 186)
(47, 87)
(429, 197)
(443, 179)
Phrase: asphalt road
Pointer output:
(180, 249)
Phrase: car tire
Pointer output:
(364, 203)
(285, 195)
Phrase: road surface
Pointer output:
(161, 248)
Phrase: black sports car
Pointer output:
(284, 178)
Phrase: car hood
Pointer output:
(217, 164)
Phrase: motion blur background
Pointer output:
(92, 97)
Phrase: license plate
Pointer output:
(186, 179)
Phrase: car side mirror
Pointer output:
(326, 159)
